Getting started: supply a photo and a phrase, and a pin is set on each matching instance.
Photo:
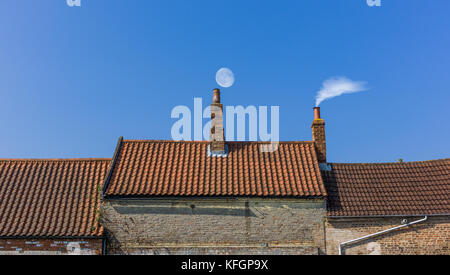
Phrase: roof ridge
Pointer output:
(205, 141)
(388, 163)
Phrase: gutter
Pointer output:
(50, 237)
(379, 233)
(208, 197)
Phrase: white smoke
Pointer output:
(337, 86)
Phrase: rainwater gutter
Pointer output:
(379, 233)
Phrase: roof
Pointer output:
(51, 198)
(184, 169)
(388, 189)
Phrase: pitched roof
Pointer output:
(51, 198)
(171, 168)
(384, 189)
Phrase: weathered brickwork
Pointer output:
(51, 246)
(306, 250)
(214, 226)
(318, 134)
(430, 237)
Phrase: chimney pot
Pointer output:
(216, 96)
(316, 113)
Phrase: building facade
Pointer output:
(220, 197)
(51, 206)
(214, 226)
(410, 201)
(166, 197)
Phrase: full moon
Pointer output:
(225, 77)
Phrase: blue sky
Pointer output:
(72, 80)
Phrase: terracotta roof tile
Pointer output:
(409, 188)
(51, 198)
(170, 168)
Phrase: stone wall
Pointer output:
(429, 237)
(214, 226)
(51, 246)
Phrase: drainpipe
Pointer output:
(104, 246)
(379, 233)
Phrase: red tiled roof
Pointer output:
(51, 198)
(384, 189)
(170, 168)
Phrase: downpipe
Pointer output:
(379, 233)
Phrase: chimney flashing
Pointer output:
(325, 167)
(222, 154)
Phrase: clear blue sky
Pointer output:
(72, 80)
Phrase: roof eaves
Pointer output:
(388, 216)
(102, 236)
(137, 197)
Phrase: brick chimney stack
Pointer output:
(318, 136)
(217, 137)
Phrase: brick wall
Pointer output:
(318, 136)
(430, 237)
(214, 226)
(243, 250)
(51, 246)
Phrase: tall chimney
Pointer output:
(318, 136)
(217, 137)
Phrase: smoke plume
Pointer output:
(337, 86)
